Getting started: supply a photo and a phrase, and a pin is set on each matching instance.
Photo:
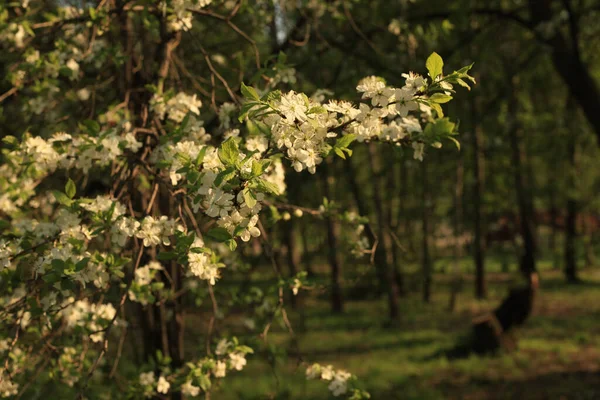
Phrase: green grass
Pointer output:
(558, 355)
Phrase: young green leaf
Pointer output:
(440, 98)
(218, 234)
(228, 152)
(434, 65)
(249, 92)
(70, 188)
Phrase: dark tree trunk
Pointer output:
(401, 218)
(292, 256)
(567, 61)
(337, 304)
(307, 258)
(456, 280)
(426, 259)
(363, 210)
(478, 174)
(383, 259)
(289, 236)
(571, 218)
(525, 204)
(552, 242)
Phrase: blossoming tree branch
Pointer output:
(82, 264)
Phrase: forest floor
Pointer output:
(558, 355)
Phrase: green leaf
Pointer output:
(249, 92)
(249, 198)
(258, 167)
(93, 127)
(440, 98)
(166, 256)
(219, 234)
(265, 186)
(10, 140)
(339, 152)
(345, 140)
(81, 264)
(463, 83)
(246, 107)
(228, 152)
(434, 65)
(58, 264)
(62, 198)
(438, 109)
(232, 244)
(201, 155)
(456, 142)
(224, 176)
(70, 189)
(4, 224)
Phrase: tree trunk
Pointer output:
(426, 260)
(568, 63)
(478, 174)
(571, 218)
(456, 279)
(363, 210)
(401, 218)
(383, 259)
(292, 256)
(552, 242)
(526, 212)
(337, 305)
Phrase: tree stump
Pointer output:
(489, 336)
(493, 331)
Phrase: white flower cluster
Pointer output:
(230, 356)
(140, 291)
(150, 385)
(91, 316)
(14, 34)
(188, 148)
(155, 231)
(176, 107)
(7, 387)
(201, 262)
(5, 254)
(181, 19)
(275, 174)
(237, 359)
(67, 365)
(301, 129)
(81, 152)
(302, 126)
(338, 378)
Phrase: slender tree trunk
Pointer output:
(525, 204)
(292, 256)
(456, 280)
(552, 242)
(332, 252)
(400, 219)
(571, 218)
(570, 236)
(478, 174)
(425, 211)
(383, 253)
(307, 258)
(588, 243)
(363, 210)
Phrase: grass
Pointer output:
(558, 355)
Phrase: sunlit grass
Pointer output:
(558, 346)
